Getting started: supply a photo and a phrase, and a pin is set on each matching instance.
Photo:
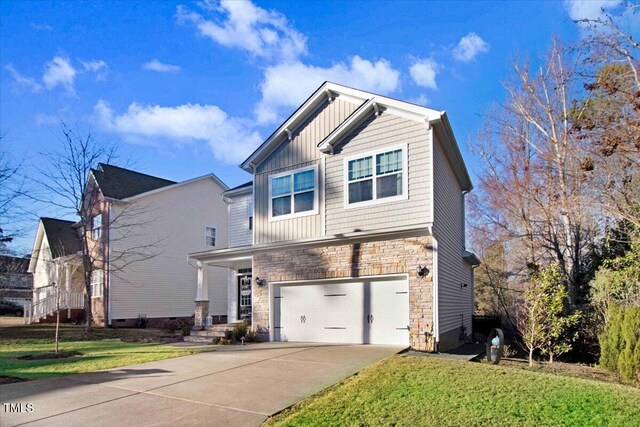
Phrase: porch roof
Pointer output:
(242, 253)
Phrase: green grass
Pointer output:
(100, 350)
(406, 390)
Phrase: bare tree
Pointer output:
(533, 192)
(67, 183)
(607, 119)
(11, 190)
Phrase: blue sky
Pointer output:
(190, 88)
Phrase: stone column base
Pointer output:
(201, 313)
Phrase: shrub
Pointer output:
(185, 327)
(252, 337)
(171, 326)
(240, 330)
(620, 342)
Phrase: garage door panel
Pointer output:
(372, 311)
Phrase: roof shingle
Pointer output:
(119, 183)
(62, 236)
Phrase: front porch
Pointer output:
(239, 294)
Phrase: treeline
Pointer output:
(556, 213)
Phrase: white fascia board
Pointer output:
(382, 105)
(343, 128)
(239, 191)
(453, 151)
(176, 185)
(313, 102)
(397, 107)
(36, 248)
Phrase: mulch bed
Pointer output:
(4, 379)
(50, 355)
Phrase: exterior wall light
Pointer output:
(463, 285)
(261, 282)
(422, 271)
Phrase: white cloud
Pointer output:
(41, 27)
(289, 84)
(424, 71)
(421, 99)
(59, 72)
(229, 138)
(469, 47)
(589, 9)
(20, 80)
(243, 25)
(160, 67)
(99, 67)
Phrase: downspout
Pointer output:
(434, 279)
(108, 264)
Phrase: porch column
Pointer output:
(202, 298)
(67, 278)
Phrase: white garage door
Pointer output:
(354, 311)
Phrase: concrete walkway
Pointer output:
(233, 386)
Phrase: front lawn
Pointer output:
(103, 349)
(407, 390)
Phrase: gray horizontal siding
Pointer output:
(373, 134)
(455, 303)
(301, 151)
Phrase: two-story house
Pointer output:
(15, 281)
(352, 229)
(141, 229)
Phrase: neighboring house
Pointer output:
(352, 229)
(16, 282)
(142, 228)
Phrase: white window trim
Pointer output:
(372, 154)
(207, 237)
(95, 228)
(316, 198)
(97, 284)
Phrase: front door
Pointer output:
(244, 298)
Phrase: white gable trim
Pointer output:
(370, 103)
(176, 185)
(37, 244)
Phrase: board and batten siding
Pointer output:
(240, 208)
(375, 133)
(300, 152)
(455, 303)
(165, 284)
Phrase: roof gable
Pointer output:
(62, 237)
(368, 103)
(119, 183)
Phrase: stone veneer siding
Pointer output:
(375, 258)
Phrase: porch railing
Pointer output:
(48, 305)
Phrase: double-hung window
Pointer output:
(294, 193)
(210, 236)
(96, 227)
(379, 176)
(97, 283)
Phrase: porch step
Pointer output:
(211, 332)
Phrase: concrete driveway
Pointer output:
(233, 386)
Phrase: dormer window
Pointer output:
(376, 177)
(293, 193)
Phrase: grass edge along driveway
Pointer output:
(406, 390)
(96, 355)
